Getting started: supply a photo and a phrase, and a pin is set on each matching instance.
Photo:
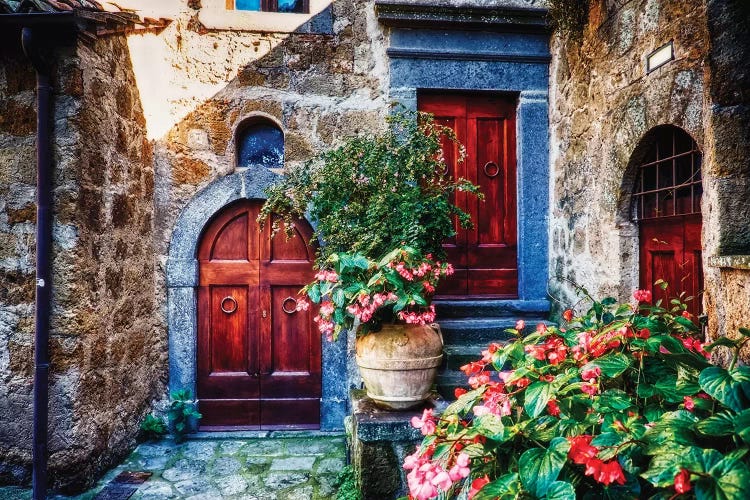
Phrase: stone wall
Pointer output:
(108, 362)
(603, 102)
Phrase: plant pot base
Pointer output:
(399, 363)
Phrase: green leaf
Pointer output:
(728, 480)
(745, 332)
(742, 425)
(609, 301)
(464, 402)
(490, 426)
(536, 397)
(611, 365)
(721, 424)
(539, 468)
(608, 443)
(613, 400)
(503, 487)
(673, 428)
(686, 324)
(561, 490)
(722, 341)
(339, 297)
(726, 387)
(314, 293)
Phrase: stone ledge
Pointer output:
(464, 15)
(376, 424)
(730, 261)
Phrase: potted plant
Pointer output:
(621, 402)
(382, 206)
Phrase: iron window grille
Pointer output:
(668, 182)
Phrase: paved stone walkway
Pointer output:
(282, 466)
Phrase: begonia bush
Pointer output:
(354, 290)
(620, 403)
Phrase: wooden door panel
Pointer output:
(255, 362)
(285, 413)
(485, 258)
(670, 250)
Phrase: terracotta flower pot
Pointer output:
(399, 363)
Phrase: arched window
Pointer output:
(667, 208)
(260, 143)
(668, 182)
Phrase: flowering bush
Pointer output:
(354, 290)
(621, 403)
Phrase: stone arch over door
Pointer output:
(182, 283)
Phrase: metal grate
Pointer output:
(668, 182)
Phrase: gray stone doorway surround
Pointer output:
(182, 283)
(440, 46)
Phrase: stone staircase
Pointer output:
(469, 326)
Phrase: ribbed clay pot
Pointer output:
(399, 363)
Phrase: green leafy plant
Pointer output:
(153, 427)
(346, 482)
(383, 205)
(620, 403)
(182, 413)
(376, 193)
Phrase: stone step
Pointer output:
(457, 355)
(447, 381)
(518, 309)
(480, 330)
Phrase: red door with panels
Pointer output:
(259, 359)
(485, 258)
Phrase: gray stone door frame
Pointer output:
(438, 46)
(182, 283)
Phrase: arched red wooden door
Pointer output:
(259, 359)
(485, 258)
(667, 209)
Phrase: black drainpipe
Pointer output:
(34, 51)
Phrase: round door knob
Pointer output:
(228, 305)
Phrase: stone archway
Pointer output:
(182, 282)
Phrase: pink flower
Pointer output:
(590, 389)
(541, 328)
(591, 374)
(326, 308)
(426, 424)
(520, 325)
(442, 480)
(461, 468)
(302, 305)
(642, 295)
(552, 408)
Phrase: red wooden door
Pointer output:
(485, 258)
(258, 358)
(670, 249)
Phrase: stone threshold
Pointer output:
(216, 435)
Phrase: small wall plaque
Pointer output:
(660, 57)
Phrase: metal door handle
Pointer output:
(232, 301)
(491, 165)
(294, 306)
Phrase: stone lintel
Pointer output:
(730, 261)
(446, 14)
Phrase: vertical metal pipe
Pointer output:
(43, 268)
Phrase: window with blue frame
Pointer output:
(260, 143)
(300, 6)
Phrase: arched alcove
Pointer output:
(662, 193)
(259, 142)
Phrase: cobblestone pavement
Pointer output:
(282, 466)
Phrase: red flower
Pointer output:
(644, 334)
(686, 315)
(581, 450)
(547, 378)
(459, 391)
(568, 315)
(521, 382)
(472, 368)
(477, 485)
(590, 389)
(682, 481)
(552, 408)
(642, 295)
(605, 472)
